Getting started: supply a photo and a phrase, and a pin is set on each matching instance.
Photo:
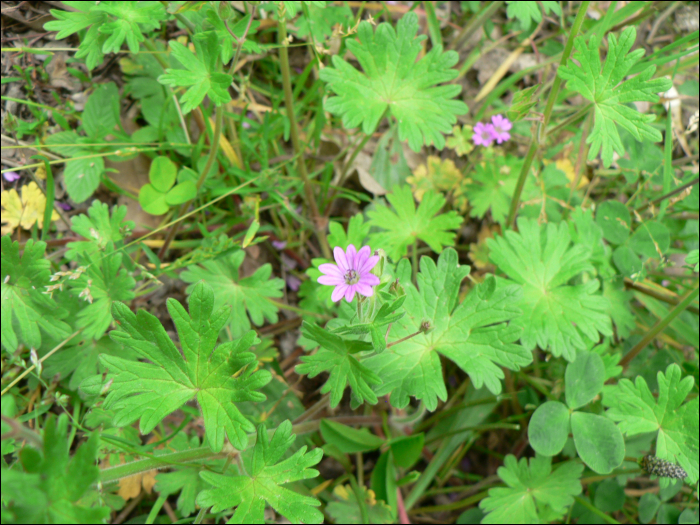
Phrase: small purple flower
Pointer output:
(64, 206)
(10, 176)
(279, 245)
(501, 126)
(483, 134)
(352, 273)
(293, 282)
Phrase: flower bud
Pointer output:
(378, 269)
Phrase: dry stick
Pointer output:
(670, 194)
(651, 292)
(296, 143)
(661, 325)
(536, 138)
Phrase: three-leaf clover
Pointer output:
(49, 486)
(261, 478)
(249, 294)
(475, 334)
(394, 82)
(218, 376)
(161, 192)
(406, 225)
(675, 421)
(535, 493)
(610, 93)
(556, 315)
(200, 72)
(26, 310)
(336, 356)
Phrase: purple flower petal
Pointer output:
(279, 245)
(483, 134)
(10, 176)
(331, 269)
(65, 206)
(370, 279)
(338, 293)
(501, 126)
(340, 258)
(365, 289)
(350, 293)
(351, 273)
(293, 282)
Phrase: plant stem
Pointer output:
(660, 326)
(296, 143)
(678, 190)
(539, 137)
(651, 292)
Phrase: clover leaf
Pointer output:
(262, 478)
(161, 192)
(394, 82)
(675, 421)
(557, 315)
(200, 72)
(218, 376)
(610, 93)
(249, 294)
(475, 334)
(406, 225)
(534, 493)
(26, 310)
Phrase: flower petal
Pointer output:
(370, 263)
(364, 289)
(351, 255)
(362, 256)
(331, 280)
(330, 269)
(369, 279)
(340, 258)
(338, 293)
(350, 293)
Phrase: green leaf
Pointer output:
(162, 174)
(407, 450)
(335, 357)
(610, 92)
(386, 315)
(262, 479)
(200, 72)
(100, 228)
(394, 82)
(81, 175)
(526, 12)
(48, 487)
(101, 113)
(475, 334)
(347, 439)
(532, 490)
(693, 258)
(104, 283)
(549, 428)
(405, 225)
(615, 220)
(249, 294)
(218, 376)
(557, 315)
(322, 19)
(491, 188)
(584, 379)
(651, 240)
(599, 443)
(346, 508)
(357, 233)
(26, 310)
(676, 423)
(181, 193)
(152, 201)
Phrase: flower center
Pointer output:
(351, 277)
(485, 135)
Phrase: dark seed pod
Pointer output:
(662, 468)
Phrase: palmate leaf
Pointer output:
(26, 310)
(262, 480)
(610, 93)
(218, 376)
(556, 316)
(534, 494)
(335, 356)
(639, 411)
(100, 228)
(393, 81)
(405, 225)
(475, 334)
(249, 294)
(200, 74)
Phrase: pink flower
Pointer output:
(501, 126)
(483, 134)
(352, 273)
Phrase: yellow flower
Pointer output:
(24, 211)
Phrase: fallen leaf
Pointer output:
(24, 211)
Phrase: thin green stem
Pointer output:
(660, 326)
(294, 133)
(539, 137)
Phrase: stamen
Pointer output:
(351, 277)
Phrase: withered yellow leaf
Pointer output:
(24, 211)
